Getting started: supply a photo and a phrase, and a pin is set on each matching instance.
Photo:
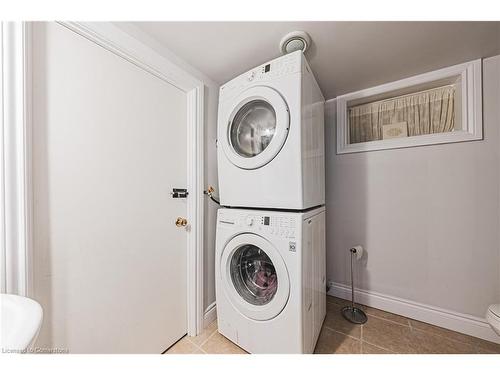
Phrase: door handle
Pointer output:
(181, 222)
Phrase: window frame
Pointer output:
(468, 79)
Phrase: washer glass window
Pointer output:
(253, 128)
(253, 274)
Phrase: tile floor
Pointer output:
(384, 333)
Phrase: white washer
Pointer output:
(270, 279)
(271, 137)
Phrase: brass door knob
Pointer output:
(181, 222)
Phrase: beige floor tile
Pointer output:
(370, 311)
(401, 339)
(388, 335)
(202, 337)
(484, 346)
(183, 346)
(331, 342)
(372, 349)
(484, 351)
(337, 322)
(218, 344)
(443, 332)
(425, 343)
(336, 300)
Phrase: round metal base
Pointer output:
(354, 315)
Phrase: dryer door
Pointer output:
(254, 277)
(256, 129)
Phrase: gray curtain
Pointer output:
(425, 112)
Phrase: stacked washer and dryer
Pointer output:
(270, 242)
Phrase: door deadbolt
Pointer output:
(181, 222)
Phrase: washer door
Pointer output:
(254, 277)
(256, 128)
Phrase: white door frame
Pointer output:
(15, 176)
(16, 195)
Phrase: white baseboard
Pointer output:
(463, 323)
(210, 314)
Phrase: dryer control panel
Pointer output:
(278, 225)
(274, 69)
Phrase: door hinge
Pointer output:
(179, 193)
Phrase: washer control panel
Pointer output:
(283, 226)
(277, 225)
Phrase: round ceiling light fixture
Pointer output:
(295, 41)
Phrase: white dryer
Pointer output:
(271, 137)
(270, 279)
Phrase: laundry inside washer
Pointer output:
(253, 275)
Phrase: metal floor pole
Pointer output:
(352, 313)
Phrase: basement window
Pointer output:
(424, 112)
(438, 107)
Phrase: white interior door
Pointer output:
(109, 144)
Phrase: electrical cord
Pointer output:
(210, 192)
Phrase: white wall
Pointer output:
(211, 103)
(427, 216)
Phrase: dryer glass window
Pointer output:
(252, 128)
(253, 274)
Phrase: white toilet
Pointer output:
(493, 317)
